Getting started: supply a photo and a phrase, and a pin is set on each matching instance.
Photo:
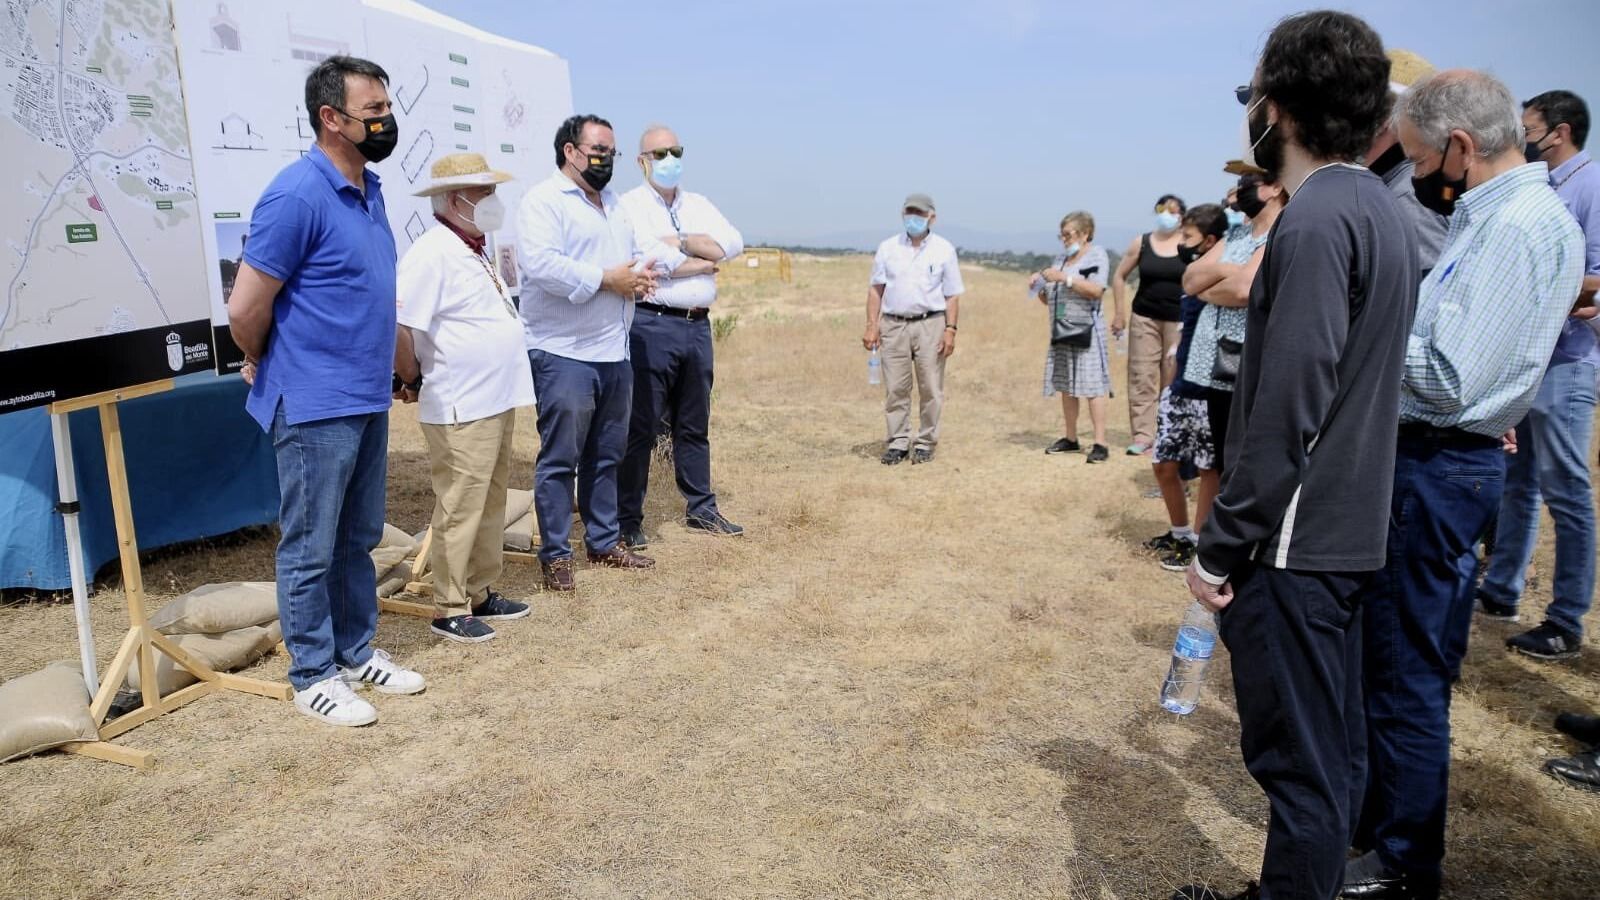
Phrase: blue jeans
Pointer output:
(331, 477)
(1552, 464)
(1418, 610)
(672, 375)
(583, 430)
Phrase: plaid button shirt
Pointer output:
(1489, 313)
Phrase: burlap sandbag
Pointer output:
(519, 535)
(517, 505)
(222, 652)
(45, 709)
(395, 580)
(394, 548)
(219, 608)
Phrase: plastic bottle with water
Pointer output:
(1191, 654)
(874, 368)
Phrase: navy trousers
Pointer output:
(1295, 642)
(583, 429)
(1418, 612)
(672, 377)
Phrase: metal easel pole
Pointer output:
(67, 487)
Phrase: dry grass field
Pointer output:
(932, 681)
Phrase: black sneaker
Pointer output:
(892, 457)
(713, 523)
(1496, 611)
(1163, 543)
(1547, 642)
(497, 608)
(1202, 892)
(463, 629)
(1063, 445)
(1581, 771)
(635, 539)
(1179, 558)
(1099, 454)
(921, 455)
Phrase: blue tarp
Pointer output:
(198, 466)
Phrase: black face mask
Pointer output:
(1437, 192)
(1268, 143)
(1188, 254)
(1386, 161)
(598, 175)
(382, 134)
(1249, 201)
(1532, 151)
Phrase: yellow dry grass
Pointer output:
(916, 682)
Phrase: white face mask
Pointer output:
(488, 214)
(1249, 147)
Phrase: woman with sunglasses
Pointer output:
(1076, 366)
(1153, 327)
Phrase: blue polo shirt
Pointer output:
(1577, 183)
(331, 350)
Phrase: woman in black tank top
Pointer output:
(1153, 327)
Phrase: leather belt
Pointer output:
(1436, 434)
(693, 315)
(916, 318)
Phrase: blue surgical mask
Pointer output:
(1072, 250)
(1235, 218)
(916, 226)
(666, 172)
(1167, 221)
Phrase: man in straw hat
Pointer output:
(1388, 161)
(458, 356)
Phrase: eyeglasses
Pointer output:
(1243, 92)
(659, 155)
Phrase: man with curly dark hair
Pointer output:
(1288, 545)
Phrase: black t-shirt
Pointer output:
(1160, 284)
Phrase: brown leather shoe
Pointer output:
(558, 575)
(620, 557)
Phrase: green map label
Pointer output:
(460, 82)
(163, 204)
(82, 234)
(458, 58)
(508, 148)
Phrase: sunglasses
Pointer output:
(1243, 93)
(659, 155)
(598, 150)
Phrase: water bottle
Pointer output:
(1191, 653)
(874, 368)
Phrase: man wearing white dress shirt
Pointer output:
(671, 338)
(911, 313)
(581, 273)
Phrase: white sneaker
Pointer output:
(331, 701)
(385, 676)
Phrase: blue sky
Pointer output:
(809, 122)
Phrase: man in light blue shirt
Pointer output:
(581, 273)
(1552, 462)
(1487, 317)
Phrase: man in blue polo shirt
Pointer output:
(313, 309)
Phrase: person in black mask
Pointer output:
(319, 354)
(1388, 161)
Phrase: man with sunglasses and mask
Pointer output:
(1387, 159)
(582, 271)
(671, 339)
(313, 310)
(1486, 321)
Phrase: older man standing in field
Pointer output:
(912, 307)
(671, 339)
(459, 354)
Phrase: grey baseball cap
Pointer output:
(919, 201)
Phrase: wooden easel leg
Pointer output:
(109, 752)
(405, 608)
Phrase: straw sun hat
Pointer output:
(461, 170)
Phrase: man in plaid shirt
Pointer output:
(1487, 319)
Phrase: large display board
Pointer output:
(102, 279)
(454, 87)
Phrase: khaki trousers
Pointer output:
(471, 466)
(1149, 370)
(912, 348)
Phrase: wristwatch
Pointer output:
(1069, 281)
(399, 383)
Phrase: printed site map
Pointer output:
(99, 230)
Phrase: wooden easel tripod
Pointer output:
(142, 642)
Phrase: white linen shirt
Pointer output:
(565, 245)
(467, 335)
(690, 213)
(916, 280)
